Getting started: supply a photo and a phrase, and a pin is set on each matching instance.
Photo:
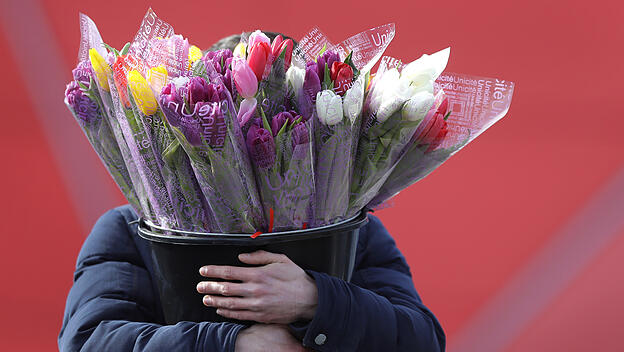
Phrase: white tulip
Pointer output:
(353, 99)
(427, 68)
(417, 107)
(382, 84)
(329, 107)
(395, 94)
(295, 77)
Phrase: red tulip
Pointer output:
(258, 58)
(342, 75)
(279, 45)
(275, 46)
(123, 64)
(434, 129)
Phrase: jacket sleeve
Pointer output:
(112, 305)
(379, 310)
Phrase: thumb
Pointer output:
(262, 258)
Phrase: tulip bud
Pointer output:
(427, 68)
(311, 83)
(300, 134)
(342, 76)
(288, 46)
(261, 147)
(194, 54)
(329, 107)
(354, 100)
(258, 58)
(171, 103)
(244, 78)
(157, 77)
(417, 106)
(294, 77)
(258, 37)
(279, 120)
(198, 90)
(84, 108)
(100, 68)
(246, 110)
(142, 93)
(275, 46)
(240, 50)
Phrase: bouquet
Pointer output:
(273, 135)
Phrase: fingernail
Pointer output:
(202, 270)
(200, 287)
(207, 300)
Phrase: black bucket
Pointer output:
(178, 255)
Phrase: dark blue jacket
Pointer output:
(114, 305)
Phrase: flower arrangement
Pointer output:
(272, 135)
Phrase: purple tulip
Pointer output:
(261, 147)
(198, 90)
(280, 120)
(311, 84)
(84, 108)
(83, 72)
(219, 59)
(172, 106)
(328, 57)
(300, 134)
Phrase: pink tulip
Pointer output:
(246, 110)
(257, 37)
(245, 79)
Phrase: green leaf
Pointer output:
(125, 49)
(327, 82)
(82, 86)
(447, 115)
(348, 60)
(283, 129)
(323, 50)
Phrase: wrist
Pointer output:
(309, 308)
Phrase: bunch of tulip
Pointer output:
(258, 139)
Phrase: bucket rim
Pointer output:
(156, 233)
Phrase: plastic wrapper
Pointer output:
(209, 132)
(474, 104)
(95, 115)
(163, 167)
(396, 104)
(342, 72)
(270, 137)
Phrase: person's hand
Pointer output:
(278, 292)
(261, 337)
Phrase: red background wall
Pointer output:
(534, 203)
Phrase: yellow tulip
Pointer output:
(142, 93)
(157, 77)
(240, 50)
(100, 68)
(194, 54)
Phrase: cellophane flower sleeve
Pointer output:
(395, 106)
(160, 59)
(341, 72)
(465, 107)
(203, 118)
(92, 108)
